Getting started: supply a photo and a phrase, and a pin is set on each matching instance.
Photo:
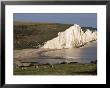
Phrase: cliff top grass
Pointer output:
(33, 35)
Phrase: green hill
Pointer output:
(33, 35)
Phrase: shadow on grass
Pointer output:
(85, 73)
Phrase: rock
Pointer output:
(71, 37)
(21, 64)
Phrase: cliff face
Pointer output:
(71, 37)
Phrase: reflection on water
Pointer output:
(84, 54)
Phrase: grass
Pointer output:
(34, 35)
(60, 69)
(31, 35)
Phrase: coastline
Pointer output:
(72, 68)
(28, 54)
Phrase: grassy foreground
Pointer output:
(60, 69)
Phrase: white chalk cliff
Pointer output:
(71, 37)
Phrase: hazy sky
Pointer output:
(83, 19)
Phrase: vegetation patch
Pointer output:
(59, 69)
(34, 35)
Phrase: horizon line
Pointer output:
(51, 23)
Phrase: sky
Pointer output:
(82, 19)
